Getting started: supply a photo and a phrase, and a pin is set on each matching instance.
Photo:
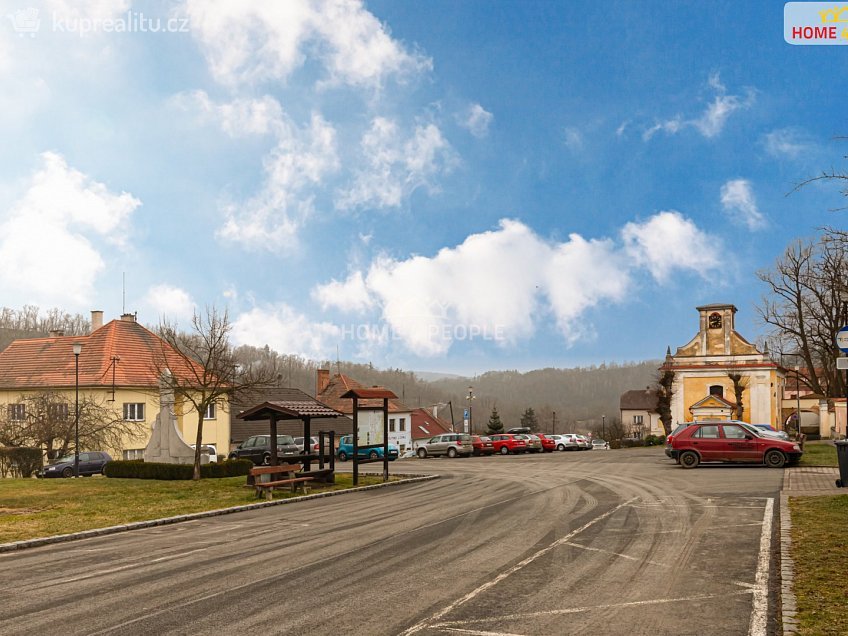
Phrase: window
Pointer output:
(209, 413)
(57, 411)
(734, 432)
(17, 412)
(391, 425)
(134, 453)
(707, 432)
(134, 411)
(637, 420)
(402, 424)
(717, 389)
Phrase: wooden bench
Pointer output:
(265, 479)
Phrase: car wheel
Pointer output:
(561, 447)
(451, 453)
(504, 450)
(373, 455)
(68, 472)
(689, 459)
(103, 470)
(422, 453)
(266, 460)
(233, 457)
(775, 459)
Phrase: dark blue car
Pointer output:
(90, 463)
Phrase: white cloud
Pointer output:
(260, 41)
(788, 142)
(477, 120)
(285, 330)
(170, 302)
(669, 241)
(740, 205)
(395, 167)
(711, 122)
(573, 138)
(619, 132)
(348, 295)
(301, 159)
(239, 117)
(88, 10)
(48, 250)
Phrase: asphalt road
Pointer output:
(599, 542)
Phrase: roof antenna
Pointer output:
(123, 293)
(338, 361)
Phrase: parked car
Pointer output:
(568, 441)
(548, 443)
(90, 463)
(583, 442)
(600, 444)
(208, 449)
(482, 445)
(345, 450)
(450, 444)
(314, 445)
(519, 430)
(724, 441)
(770, 431)
(506, 443)
(258, 449)
(534, 443)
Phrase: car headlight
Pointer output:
(797, 448)
(49, 469)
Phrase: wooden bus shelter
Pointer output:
(371, 402)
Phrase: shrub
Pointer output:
(138, 469)
(615, 444)
(654, 440)
(18, 461)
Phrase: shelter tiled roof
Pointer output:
(340, 384)
(49, 362)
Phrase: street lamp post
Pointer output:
(798, 401)
(843, 296)
(77, 351)
(470, 397)
(603, 426)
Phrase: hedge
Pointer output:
(18, 461)
(138, 469)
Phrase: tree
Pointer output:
(803, 307)
(665, 391)
(49, 423)
(529, 420)
(494, 425)
(739, 384)
(201, 368)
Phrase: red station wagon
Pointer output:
(506, 443)
(482, 445)
(723, 441)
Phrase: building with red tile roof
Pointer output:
(425, 425)
(119, 364)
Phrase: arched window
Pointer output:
(717, 389)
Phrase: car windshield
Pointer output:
(63, 460)
(751, 429)
(283, 440)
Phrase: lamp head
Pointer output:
(77, 348)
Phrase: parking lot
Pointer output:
(612, 542)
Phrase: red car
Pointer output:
(549, 444)
(482, 445)
(506, 443)
(724, 441)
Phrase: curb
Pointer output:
(139, 525)
(787, 569)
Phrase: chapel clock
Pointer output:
(715, 321)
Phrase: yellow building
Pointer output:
(702, 386)
(117, 368)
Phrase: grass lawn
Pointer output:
(820, 550)
(818, 454)
(32, 508)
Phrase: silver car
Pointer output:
(583, 442)
(450, 444)
(534, 444)
(564, 442)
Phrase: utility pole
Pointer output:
(553, 424)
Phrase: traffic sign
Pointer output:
(465, 416)
(842, 339)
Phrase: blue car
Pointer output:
(345, 450)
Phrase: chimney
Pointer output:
(128, 317)
(322, 379)
(96, 319)
(57, 333)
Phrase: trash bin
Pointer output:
(842, 458)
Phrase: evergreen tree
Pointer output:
(529, 419)
(494, 425)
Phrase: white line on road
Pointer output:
(759, 613)
(618, 554)
(129, 566)
(500, 577)
(474, 632)
(587, 608)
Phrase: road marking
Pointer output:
(500, 577)
(618, 554)
(121, 568)
(759, 612)
(474, 632)
(587, 608)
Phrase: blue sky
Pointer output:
(451, 186)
